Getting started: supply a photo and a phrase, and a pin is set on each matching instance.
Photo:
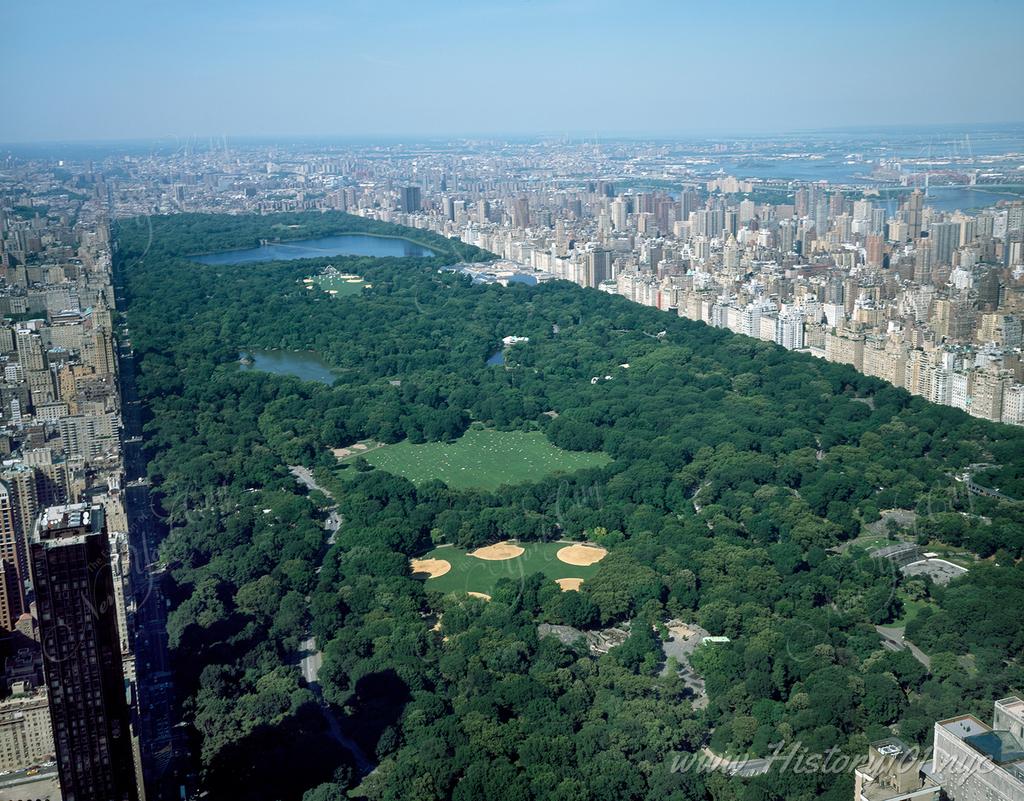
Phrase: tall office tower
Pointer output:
(989, 290)
(22, 498)
(747, 211)
(483, 211)
(599, 267)
(644, 203)
(699, 225)
(1015, 217)
(618, 210)
(12, 603)
(12, 559)
(730, 225)
(74, 591)
(876, 250)
(448, 204)
(878, 221)
(411, 199)
(665, 214)
(787, 235)
(843, 227)
(688, 201)
(862, 210)
(923, 262)
(802, 201)
(836, 204)
(521, 212)
(912, 212)
(944, 238)
(821, 217)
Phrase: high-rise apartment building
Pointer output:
(411, 199)
(977, 762)
(599, 267)
(913, 213)
(30, 350)
(19, 503)
(74, 590)
(12, 560)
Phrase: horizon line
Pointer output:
(580, 136)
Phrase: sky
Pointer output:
(141, 69)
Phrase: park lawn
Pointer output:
(910, 610)
(469, 574)
(340, 287)
(482, 459)
(873, 543)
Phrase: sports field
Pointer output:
(335, 283)
(482, 459)
(471, 574)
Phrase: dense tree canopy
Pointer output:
(738, 468)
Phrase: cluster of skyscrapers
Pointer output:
(69, 690)
(882, 275)
(927, 300)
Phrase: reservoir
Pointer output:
(303, 364)
(343, 245)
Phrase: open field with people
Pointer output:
(337, 283)
(482, 459)
(451, 569)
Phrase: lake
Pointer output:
(498, 357)
(343, 245)
(303, 364)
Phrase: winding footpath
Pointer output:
(310, 657)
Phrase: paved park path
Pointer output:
(311, 658)
(892, 638)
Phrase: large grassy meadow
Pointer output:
(338, 285)
(482, 459)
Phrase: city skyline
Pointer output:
(523, 401)
(143, 71)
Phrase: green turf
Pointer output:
(482, 459)
(910, 610)
(340, 286)
(469, 574)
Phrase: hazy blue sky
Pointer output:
(112, 70)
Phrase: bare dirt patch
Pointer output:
(432, 567)
(569, 584)
(498, 552)
(482, 595)
(581, 555)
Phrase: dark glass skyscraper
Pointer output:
(74, 593)
(412, 199)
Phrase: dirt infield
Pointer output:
(483, 595)
(498, 552)
(569, 584)
(432, 567)
(581, 554)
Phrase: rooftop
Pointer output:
(67, 523)
(892, 747)
(999, 746)
(963, 726)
